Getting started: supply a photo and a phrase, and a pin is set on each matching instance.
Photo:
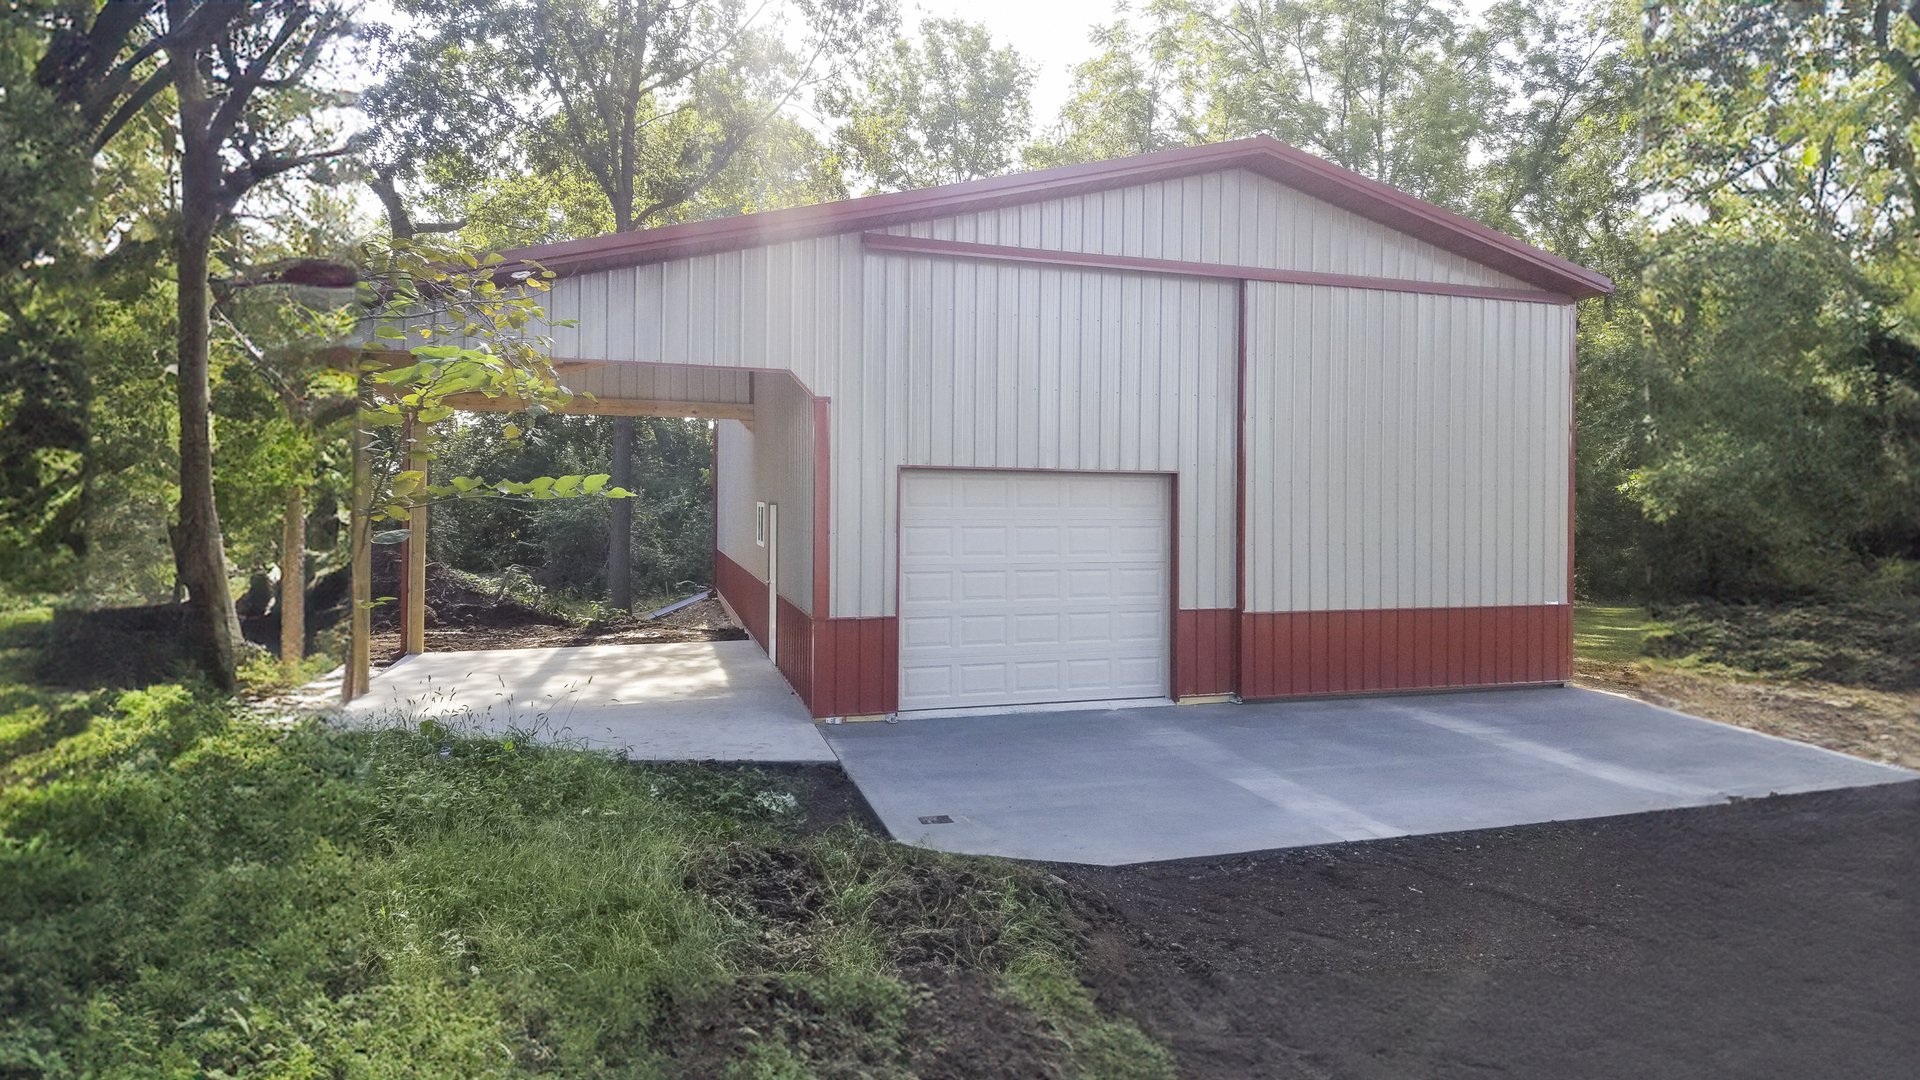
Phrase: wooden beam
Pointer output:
(606, 406)
(358, 678)
(414, 639)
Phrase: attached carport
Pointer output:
(1138, 785)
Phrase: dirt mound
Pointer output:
(451, 601)
(462, 618)
(1868, 644)
(957, 1028)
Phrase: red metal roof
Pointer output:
(1269, 157)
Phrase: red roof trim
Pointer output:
(1268, 157)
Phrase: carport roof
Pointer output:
(1266, 156)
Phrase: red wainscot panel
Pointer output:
(744, 593)
(795, 656)
(1306, 653)
(856, 666)
(1205, 648)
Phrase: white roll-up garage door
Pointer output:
(1026, 588)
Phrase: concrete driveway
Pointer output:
(692, 701)
(1139, 785)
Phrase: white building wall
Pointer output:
(771, 462)
(706, 385)
(1233, 216)
(957, 362)
(1407, 450)
(735, 492)
(984, 365)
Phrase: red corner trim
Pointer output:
(1268, 157)
(822, 505)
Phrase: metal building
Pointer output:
(1224, 420)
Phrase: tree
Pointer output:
(650, 99)
(951, 107)
(1807, 108)
(1125, 100)
(237, 73)
(1399, 90)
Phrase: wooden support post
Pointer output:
(358, 677)
(414, 639)
(293, 581)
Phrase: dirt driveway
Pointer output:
(1768, 938)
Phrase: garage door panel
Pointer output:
(926, 587)
(1026, 588)
(1036, 585)
(1036, 540)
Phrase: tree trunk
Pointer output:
(293, 582)
(620, 519)
(214, 626)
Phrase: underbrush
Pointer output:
(1871, 644)
(184, 892)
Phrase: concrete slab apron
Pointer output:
(698, 701)
(1141, 785)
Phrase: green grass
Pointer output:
(23, 630)
(184, 892)
(1612, 634)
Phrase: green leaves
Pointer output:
(408, 491)
(947, 108)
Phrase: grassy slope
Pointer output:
(1839, 676)
(1615, 635)
(186, 892)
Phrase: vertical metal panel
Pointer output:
(661, 382)
(1234, 216)
(771, 463)
(783, 473)
(1306, 653)
(735, 493)
(1396, 447)
(1022, 367)
(1412, 451)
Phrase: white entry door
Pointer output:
(1026, 588)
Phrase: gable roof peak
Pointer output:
(1259, 154)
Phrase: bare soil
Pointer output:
(1771, 938)
(460, 618)
(1767, 938)
(1877, 724)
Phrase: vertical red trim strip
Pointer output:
(713, 530)
(1239, 485)
(1573, 439)
(822, 504)
(1179, 652)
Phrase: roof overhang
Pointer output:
(1268, 157)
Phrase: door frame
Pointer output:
(773, 582)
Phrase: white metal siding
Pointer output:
(772, 463)
(661, 382)
(1233, 216)
(987, 365)
(944, 362)
(1405, 450)
(734, 497)
(1019, 588)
